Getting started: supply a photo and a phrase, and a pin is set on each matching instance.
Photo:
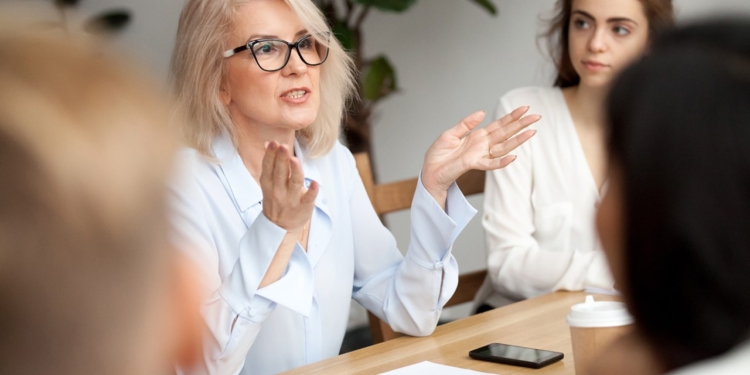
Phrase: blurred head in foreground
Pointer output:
(88, 283)
(675, 222)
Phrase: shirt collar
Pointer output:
(242, 186)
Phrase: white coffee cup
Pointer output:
(593, 326)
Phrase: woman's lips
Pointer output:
(594, 65)
(296, 95)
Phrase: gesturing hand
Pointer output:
(460, 149)
(286, 201)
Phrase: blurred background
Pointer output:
(450, 57)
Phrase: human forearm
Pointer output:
(286, 203)
(280, 259)
(525, 270)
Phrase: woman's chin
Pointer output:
(597, 81)
(300, 125)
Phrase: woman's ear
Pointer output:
(185, 311)
(224, 94)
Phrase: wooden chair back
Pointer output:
(396, 196)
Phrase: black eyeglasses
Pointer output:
(273, 54)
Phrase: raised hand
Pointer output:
(462, 148)
(286, 201)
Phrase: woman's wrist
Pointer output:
(438, 192)
(431, 179)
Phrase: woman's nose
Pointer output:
(597, 42)
(295, 64)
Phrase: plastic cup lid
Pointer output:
(591, 314)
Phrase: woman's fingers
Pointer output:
(501, 149)
(487, 164)
(507, 119)
(502, 162)
(297, 177)
(281, 168)
(285, 200)
(266, 175)
(467, 124)
(509, 130)
(312, 192)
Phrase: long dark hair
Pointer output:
(680, 134)
(659, 13)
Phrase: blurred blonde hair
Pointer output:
(198, 67)
(86, 147)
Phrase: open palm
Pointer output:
(462, 148)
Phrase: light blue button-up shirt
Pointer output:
(302, 317)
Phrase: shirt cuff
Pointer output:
(294, 290)
(259, 309)
(433, 229)
(459, 209)
(256, 251)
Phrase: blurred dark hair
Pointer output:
(680, 135)
(660, 17)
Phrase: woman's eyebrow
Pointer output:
(621, 19)
(263, 36)
(583, 13)
(609, 20)
(271, 36)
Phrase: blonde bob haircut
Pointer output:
(198, 67)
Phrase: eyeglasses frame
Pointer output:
(250, 43)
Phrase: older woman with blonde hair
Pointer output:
(272, 204)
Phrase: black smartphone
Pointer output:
(516, 355)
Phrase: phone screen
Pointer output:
(516, 355)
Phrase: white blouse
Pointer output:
(302, 317)
(539, 211)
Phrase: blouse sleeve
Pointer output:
(516, 264)
(234, 308)
(407, 292)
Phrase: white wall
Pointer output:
(452, 58)
(149, 37)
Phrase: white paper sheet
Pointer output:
(429, 368)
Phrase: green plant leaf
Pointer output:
(379, 79)
(389, 5)
(487, 5)
(344, 35)
(108, 22)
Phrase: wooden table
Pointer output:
(537, 323)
